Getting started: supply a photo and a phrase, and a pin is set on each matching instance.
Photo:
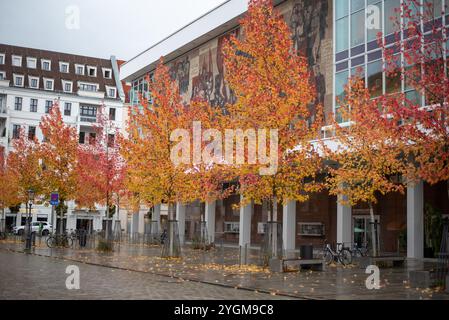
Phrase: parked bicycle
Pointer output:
(342, 254)
(360, 251)
(59, 240)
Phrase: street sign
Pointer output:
(54, 198)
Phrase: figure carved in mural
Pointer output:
(180, 71)
(308, 23)
(203, 84)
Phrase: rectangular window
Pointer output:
(92, 137)
(67, 86)
(18, 104)
(372, 32)
(88, 87)
(107, 73)
(63, 67)
(341, 33)
(2, 58)
(18, 80)
(357, 28)
(111, 139)
(111, 92)
(341, 8)
(33, 105)
(91, 71)
(375, 79)
(393, 81)
(31, 132)
(392, 15)
(67, 109)
(79, 69)
(31, 63)
(48, 84)
(2, 75)
(16, 61)
(34, 83)
(48, 105)
(357, 5)
(111, 113)
(81, 137)
(88, 111)
(15, 131)
(46, 65)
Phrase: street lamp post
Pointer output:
(28, 209)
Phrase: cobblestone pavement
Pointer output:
(36, 277)
(220, 266)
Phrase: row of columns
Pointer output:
(415, 222)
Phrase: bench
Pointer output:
(280, 265)
(382, 261)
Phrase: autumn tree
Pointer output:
(58, 152)
(100, 167)
(367, 154)
(9, 189)
(272, 83)
(152, 174)
(421, 38)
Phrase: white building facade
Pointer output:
(31, 81)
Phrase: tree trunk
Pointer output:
(373, 230)
(274, 227)
(171, 229)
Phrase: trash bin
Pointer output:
(306, 252)
(82, 238)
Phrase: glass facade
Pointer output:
(358, 23)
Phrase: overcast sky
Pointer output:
(122, 28)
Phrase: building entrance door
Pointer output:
(362, 230)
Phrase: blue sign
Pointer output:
(54, 198)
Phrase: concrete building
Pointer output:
(333, 36)
(31, 80)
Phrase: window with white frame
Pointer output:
(48, 84)
(64, 67)
(67, 109)
(84, 86)
(232, 227)
(2, 75)
(31, 63)
(79, 69)
(16, 61)
(33, 105)
(91, 71)
(46, 65)
(48, 105)
(2, 58)
(18, 80)
(107, 73)
(111, 92)
(18, 103)
(33, 82)
(67, 86)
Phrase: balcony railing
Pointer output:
(88, 119)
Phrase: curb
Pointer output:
(281, 294)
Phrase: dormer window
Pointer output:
(83, 86)
(91, 71)
(33, 82)
(79, 69)
(64, 67)
(31, 63)
(48, 84)
(16, 61)
(18, 80)
(2, 58)
(111, 92)
(67, 86)
(107, 73)
(46, 65)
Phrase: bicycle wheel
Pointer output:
(345, 257)
(328, 257)
(51, 242)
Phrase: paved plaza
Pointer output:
(140, 273)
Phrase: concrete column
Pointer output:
(415, 220)
(245, 230)
(344, 223)
(181, 217)
(135, 223)
(141, 226)
(289, 226)
(157, 216)
(210, 220)
(71, 222)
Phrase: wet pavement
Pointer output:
(220, 266)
